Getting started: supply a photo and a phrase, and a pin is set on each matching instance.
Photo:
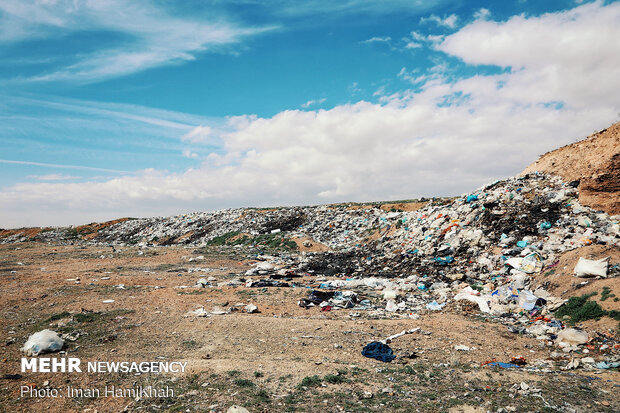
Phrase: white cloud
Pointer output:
(444, 138)
(313, 102)
(312, 7)
(53, 177)
(60, 166)
(199, 134)
(189, 154)
(417, 40)
(153, 37)
(571, 56)
(377, 39)
(482, 14)
(448, 21)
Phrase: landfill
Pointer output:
(490, 255)
(483, 247)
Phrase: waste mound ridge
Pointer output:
(465, 237)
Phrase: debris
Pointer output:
(251, 308)
(571, 337)
(435, 306)
(402, 333)
(480, 300)
(237, 409)
(591, 268)
(461, 347)
(379, 351)
(607, 365)
(503, 365)
(366, 395)
(199, 312)
(44, 341)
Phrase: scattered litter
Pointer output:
(435, 306)
(199, 312)
(44, 341)
(503, 365)
(237, 409)
(605, 365)
(402, 333)
(461, 347)
(591, 268)
(379, 351)
(571, 337)
(251, 308)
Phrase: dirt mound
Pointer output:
(594, 162)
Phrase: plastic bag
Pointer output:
(532, 263)
(572, 336)
(527, 300)
(44, 341)
(591, 268)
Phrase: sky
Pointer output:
(144, 108)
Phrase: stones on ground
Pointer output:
(237, 409)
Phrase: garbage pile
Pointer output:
(481, 249)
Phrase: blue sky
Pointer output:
(146, 108)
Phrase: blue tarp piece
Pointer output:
(503, 365)
(379, 351)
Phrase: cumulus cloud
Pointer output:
(443, 138)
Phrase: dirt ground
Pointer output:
(284, 358)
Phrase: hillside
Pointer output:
(594, 162)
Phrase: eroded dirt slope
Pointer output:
(594, 162)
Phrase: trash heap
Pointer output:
(481, 249)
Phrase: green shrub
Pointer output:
(244, 383)
(334, 379)
(581, 309)
(310, 381)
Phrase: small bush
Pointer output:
(334, 379)
(581, 309)
(58, 316)
(310, 381)
(263, 396)
(244, 383)
(258, 374)
(606, 294)
(222, 239)
(85, 317)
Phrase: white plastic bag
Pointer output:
(44, 341)
(591, 268)
(572, 337)
(527, 300)
(482, 301)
